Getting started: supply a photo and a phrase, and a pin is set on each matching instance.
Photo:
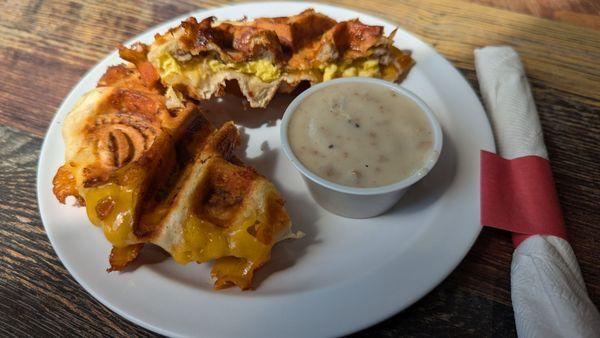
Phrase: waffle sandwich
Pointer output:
(150, 169)
(150, 174)
(268, 55)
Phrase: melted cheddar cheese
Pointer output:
(112, 206)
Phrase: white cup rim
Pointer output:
(399, 185)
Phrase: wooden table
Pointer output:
(46, 46)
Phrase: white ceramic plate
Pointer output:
(345, 274)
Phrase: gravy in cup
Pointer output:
(360, 135)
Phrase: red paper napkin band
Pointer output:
(519, 196)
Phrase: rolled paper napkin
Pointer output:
(548, 292)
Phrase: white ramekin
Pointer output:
(356, 202)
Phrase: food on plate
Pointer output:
(116, 137)
(268, 55)
(360, 135)
(149, 168)
(220, 209)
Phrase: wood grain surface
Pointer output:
(46, 46)
(578, 12)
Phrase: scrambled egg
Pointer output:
(368, 68)
(265, 70)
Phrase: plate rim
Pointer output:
(70, 96)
